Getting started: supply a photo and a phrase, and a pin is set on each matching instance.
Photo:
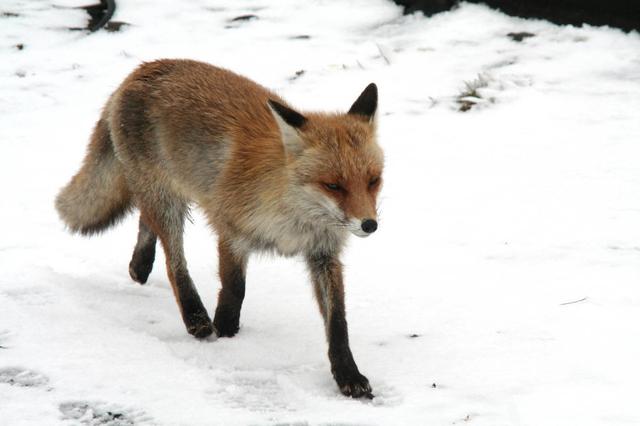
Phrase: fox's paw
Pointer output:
(201, 331)
(226, 322)
(199, 325)
(353, 384)
(139, 269)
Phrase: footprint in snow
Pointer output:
(17, 376)
(386, 396)
(95, 413)
(30, 296)
(265, 390)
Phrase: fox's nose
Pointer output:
(369, 226)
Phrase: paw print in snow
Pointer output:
(18, 376)
(102, 414)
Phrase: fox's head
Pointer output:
(334, 163)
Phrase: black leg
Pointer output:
(194, 314)
(326, 272)
(143, 255)
(232, 276)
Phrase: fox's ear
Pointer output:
(290, 122)
(367, 103)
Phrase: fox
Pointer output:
(267, 177)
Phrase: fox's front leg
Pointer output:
(326, 273)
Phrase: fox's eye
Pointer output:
(373, 182)
(333, 187)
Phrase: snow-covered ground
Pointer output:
(493, 221)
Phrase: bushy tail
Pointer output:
(97, 196)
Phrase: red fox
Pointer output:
(266, 176)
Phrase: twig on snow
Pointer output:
(574, 301)
(386, 59)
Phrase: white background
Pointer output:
(491, 220)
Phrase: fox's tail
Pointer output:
(97, 196)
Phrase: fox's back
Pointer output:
(183, 93)
(188, 119)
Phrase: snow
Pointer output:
(494, 221)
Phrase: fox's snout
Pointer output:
(363, 227)
(369, 226)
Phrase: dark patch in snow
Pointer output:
(242, 18)
(115, 26)
(18, 376)
(433, 385)
(19, 46)
(301, 37)
(102, 414)
(297, 75)
(9, 15)
(520, 36)
(239, 20)
(464, 419)
(413, 335)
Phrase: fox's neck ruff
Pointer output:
(290, 226)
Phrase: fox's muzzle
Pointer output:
(369, 226)
(363, 227)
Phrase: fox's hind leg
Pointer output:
(164, 214)
(144, 254)
(232, 276)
